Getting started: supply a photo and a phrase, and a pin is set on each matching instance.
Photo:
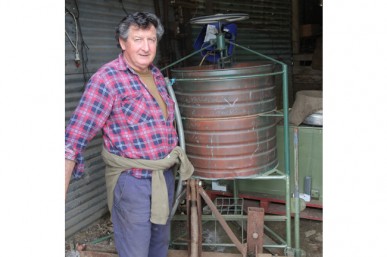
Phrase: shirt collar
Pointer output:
(122, 65)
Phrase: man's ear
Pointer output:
(122, 43)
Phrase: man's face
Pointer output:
(140, 47)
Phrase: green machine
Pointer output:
(310, 165)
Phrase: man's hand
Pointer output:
(69, 166)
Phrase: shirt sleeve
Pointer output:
(88, 118)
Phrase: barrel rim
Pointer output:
(215, 68)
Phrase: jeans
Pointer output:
(134, 234)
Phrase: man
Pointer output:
(128, 100)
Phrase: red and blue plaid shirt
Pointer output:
(116, 101)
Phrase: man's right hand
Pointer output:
(69, 167)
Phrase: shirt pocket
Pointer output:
(134, 108)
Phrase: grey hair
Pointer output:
(141, 20)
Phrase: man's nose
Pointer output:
(145, 45)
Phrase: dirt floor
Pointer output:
(101, 234)
(311, 236)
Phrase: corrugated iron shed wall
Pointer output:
(267, 31)
(97, 19)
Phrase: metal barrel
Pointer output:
(225, 134)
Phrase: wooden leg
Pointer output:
(255, 218)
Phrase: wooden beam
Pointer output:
(255, 217)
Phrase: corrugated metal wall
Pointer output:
(86, 198)
(268, 31)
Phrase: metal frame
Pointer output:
(285, 176)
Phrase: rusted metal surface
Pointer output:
(189, 198)
(194, 221)
(225, 135)
(255, 219)
(274, 204)
(234, 147)
(208, 92)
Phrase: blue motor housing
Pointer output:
(213, 56)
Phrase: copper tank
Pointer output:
(226, 135)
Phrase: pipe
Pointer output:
(274, 234)
(296, 195)
(255, 52)
(230, 77)
(101, 239)
(180, 131)
(236, 191)
(295, 26)
(188, 56)
(287, 153)
(179, 122)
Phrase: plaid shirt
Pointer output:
(116, 101)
